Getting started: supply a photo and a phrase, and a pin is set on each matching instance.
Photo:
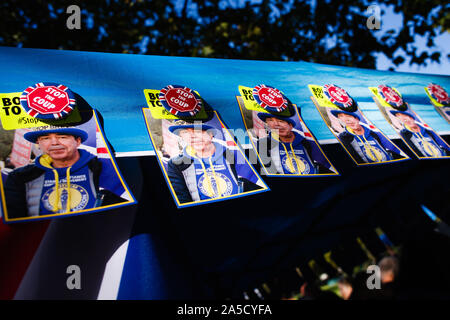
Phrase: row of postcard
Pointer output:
(57, 165)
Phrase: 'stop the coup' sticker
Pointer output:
(339, 97)
(270, 98)
(438, 93)
(48, 100)
(392, 97)
(180, 101)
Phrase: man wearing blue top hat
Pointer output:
(63, 179)
(285, 151)
(207, 169)
(422, 141)
(364, 144)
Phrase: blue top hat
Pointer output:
(336, 113)
(34, 135)
(204, 127)
(263, 116)
(395, 112)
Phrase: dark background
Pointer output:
(330, 32)
(235, 246)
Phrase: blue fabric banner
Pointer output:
(114, 84)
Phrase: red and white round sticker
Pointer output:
(180, 101)
(339, 97)
(270, 98)
(48, 100)
(438, 93)
(390, 96)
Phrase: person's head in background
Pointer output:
(389, 269)
(345, 287)
(309, 291)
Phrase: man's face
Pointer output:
(405, 119)
(345, 290)
(350, 121)
(196, 138)
(284, 128)
(61, 147)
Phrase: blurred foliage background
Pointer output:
(330, 32)
(6, 140)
